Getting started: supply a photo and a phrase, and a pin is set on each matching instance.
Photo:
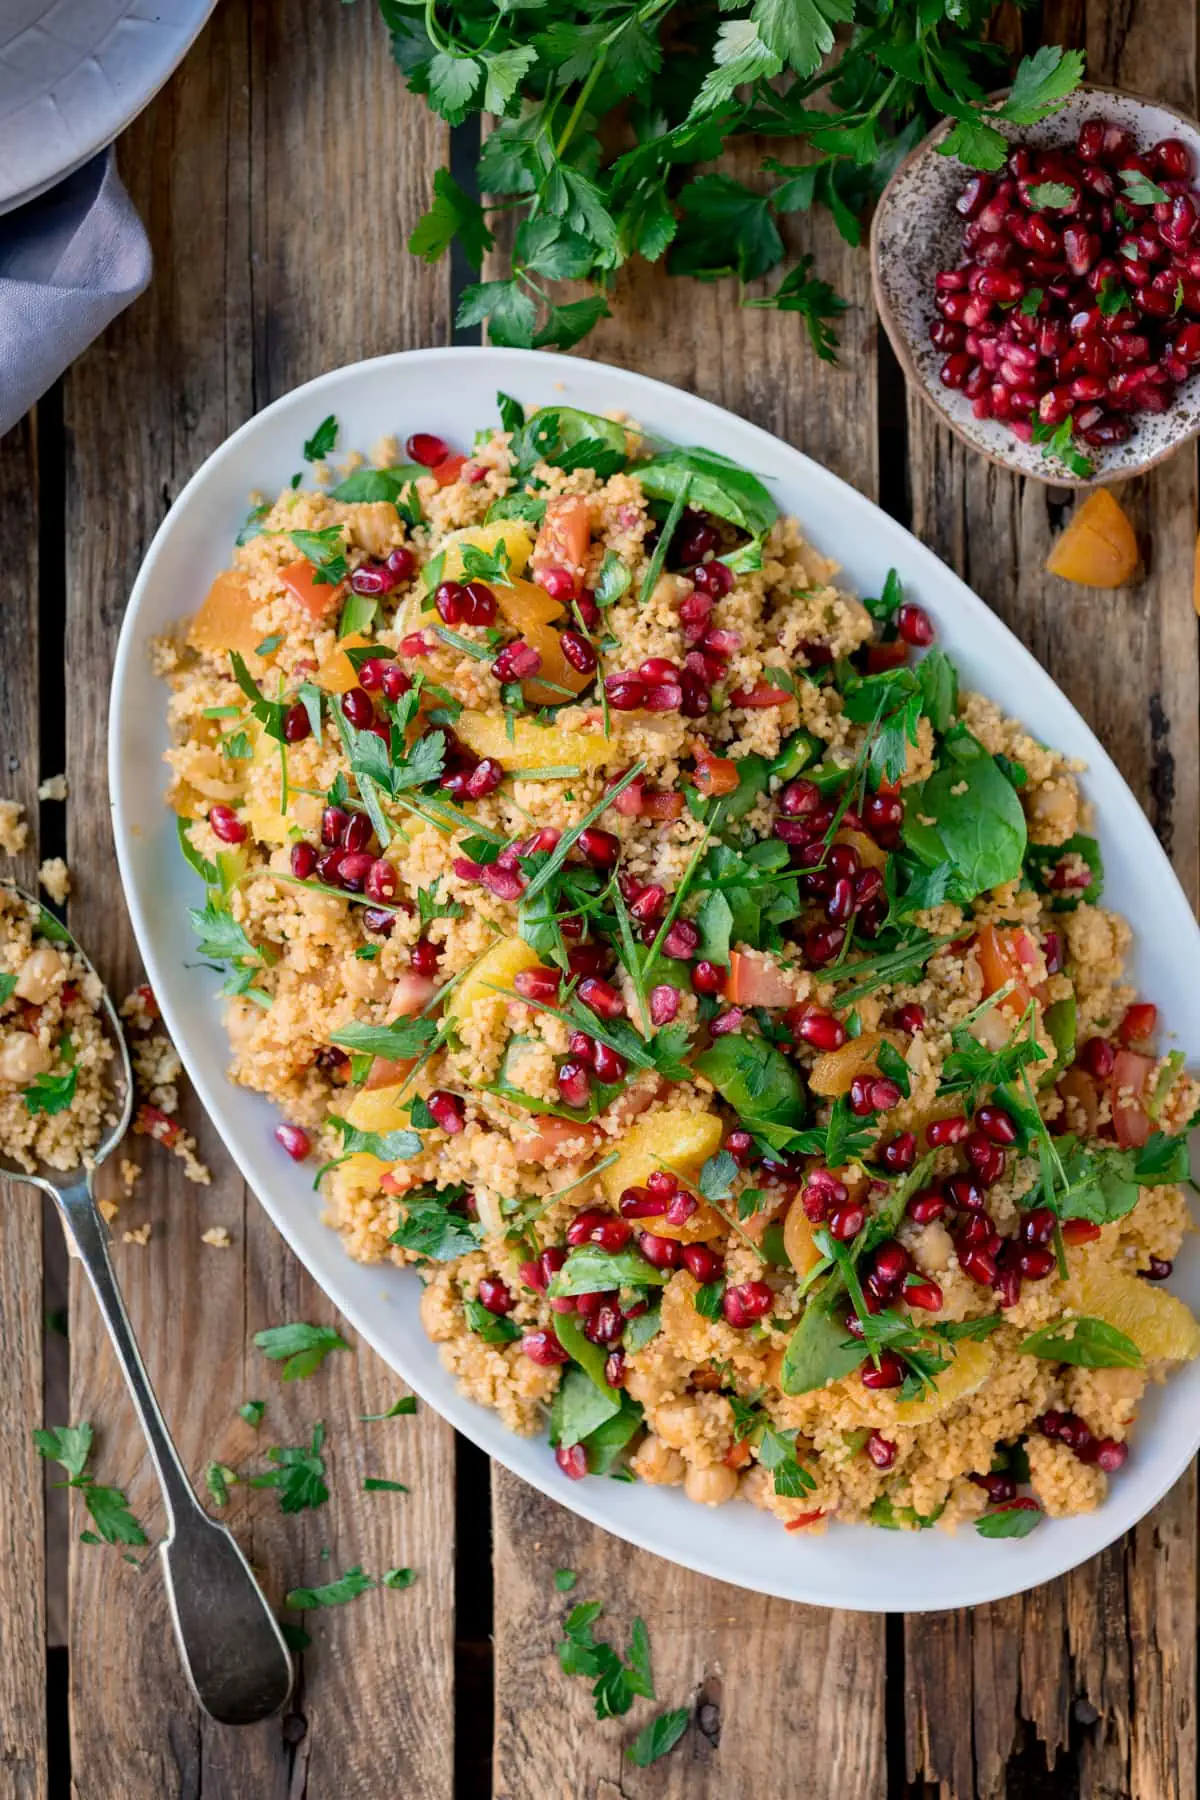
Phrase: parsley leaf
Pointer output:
(300, 1475)
(322, 440)
(300, 1347)
(334, 1593)
(658, 1737)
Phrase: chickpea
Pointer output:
(710, 1487)
(1053, 811)
(42, 973)
(21, 1059)
(674, 1421)
(656, 1463)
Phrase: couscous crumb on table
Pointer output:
(713, 1004)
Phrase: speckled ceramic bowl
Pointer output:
(916, 231)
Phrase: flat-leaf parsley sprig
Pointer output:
(604, 107)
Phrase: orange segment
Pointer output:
(226, 620)
(525, 605)
(833, 1073)
(336, 674)
(1159, 1323)
(970, 1369)
(1098, 547)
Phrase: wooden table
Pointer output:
(278, 175)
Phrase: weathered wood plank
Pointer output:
(22, 1554)
(260, 208)
(779, 1693)
(1110, 1650)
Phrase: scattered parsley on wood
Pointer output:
(406, 1404)
(300, 1475)
(71, 1446)
(301, 1348)
(658, 1737)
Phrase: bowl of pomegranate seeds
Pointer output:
(1049, 310)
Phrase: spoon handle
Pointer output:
(233, 1651)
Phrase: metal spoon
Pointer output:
(234, 1656)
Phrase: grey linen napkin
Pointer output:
(70, 261)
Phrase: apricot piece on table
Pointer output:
(1098, 547)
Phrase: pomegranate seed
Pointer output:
(402, 563)
(1097, 1056)
(926, 1205)
(979, 1266)
(891, 1262)
(639, 1203)
(703, 1264)
(517, 661)
(329, 866)
(648, 904)
(899, 1153)
(822, 944)
(822, 1030)
(382, 882)
(543, 1347)
(477, 604)
(611, 1233)
(1159, 1269)
(599, 848)
(356, 833)
(395, 682)
(614, 1368)
(845, 1222)
(664, 1003)
(996, 1124)
(296, 723)
(1075, 1435)
(448, 600)
(625, 692)
(578, 652)
(985, 1157)
(881, 1450)
(1079, 1231)
(556, 581)
(353, 870)
(947, 1131)
(911, 1019)
(915, 625)
(840, 905)
(572, 1461)
(582, 1225)
(539, 983)
(965, 1194)
(605, 1325)
(682, 941)
(889, 1374)
(226, 824)
(730, 1020)
(426, 449)
(999, 1488)
(424, 957)
(926, 1295)
(743, 1305)
(303, 861)
(295, 1141)
(601, 997)
(885, 1094)
(707, 978)
(1037, 1264)
(378, 920)
(861, 1102)
(714, 579)
(1037, 1226)
(448, 1110)
(661, 1252)
(574, 1084)
(609, 1065)
(1111, 1455)
(800, 798)
(495, 1296)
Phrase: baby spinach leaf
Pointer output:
(1009, 1521)
(579, 1407)
(569, 439)
(938, 679)
(568, 1328)
(1085, 1343)
(605, 1444)
(590, 1270)
(714, 485)
(978, 825)
(764, 1089)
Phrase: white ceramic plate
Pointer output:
(452, 392)
(73, 73)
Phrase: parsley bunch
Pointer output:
(605, 106)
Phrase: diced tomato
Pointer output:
(155, 1123)
(668, 807)
(562, 540)
(803, 1519)
(761, 694)
(715, 775)
(1131, 1121)
(1139, 1024)
(738, 1455)
(448, 471)
(548, 1136)
(396, 1181)
(886, 656)
(316, 597)
(757, 981)
(1079, 1231)
(390, 1071)
(1007, 953)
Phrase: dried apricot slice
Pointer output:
(1098, 547)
